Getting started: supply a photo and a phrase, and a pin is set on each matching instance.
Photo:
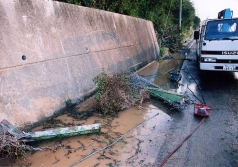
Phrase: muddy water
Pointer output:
(159, 72)
(137, 148)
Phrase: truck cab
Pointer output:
(217, 43)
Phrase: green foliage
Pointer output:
(21, 154)
(68, 102)
(196, 22)
(162, 51)
(76, 2)
(170, 38)
(163, 14)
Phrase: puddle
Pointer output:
(159, 72)
(137, 148)
(140, 146)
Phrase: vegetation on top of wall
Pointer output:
(163, 14)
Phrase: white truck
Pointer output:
(217, 43)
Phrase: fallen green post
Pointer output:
(165, 95)
(51, 133)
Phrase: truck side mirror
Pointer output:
(196, 35)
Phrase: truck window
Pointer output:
(225, 27)
(222, 29)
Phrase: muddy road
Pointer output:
(215, 142)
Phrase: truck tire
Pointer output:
(197, 61)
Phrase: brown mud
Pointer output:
(138, 148)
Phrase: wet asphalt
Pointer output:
(215, 142)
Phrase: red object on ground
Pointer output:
(201, 110)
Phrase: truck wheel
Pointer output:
(202, 73)
(197, 61)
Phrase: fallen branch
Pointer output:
(12, 148)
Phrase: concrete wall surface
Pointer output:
(51, 51)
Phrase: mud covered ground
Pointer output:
(147, 129)
(214, 143)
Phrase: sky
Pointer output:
(210, 8)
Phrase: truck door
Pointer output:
(201, 46)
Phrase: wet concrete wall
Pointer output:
(51, 51)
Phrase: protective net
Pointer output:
(139, 83)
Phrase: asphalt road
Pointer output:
(215, 142)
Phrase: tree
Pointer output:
(163, 14)
(196, 22)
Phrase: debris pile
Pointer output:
(115, 93)
(10, 147)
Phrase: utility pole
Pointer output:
(180, 14)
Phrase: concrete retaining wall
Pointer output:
(51, 51)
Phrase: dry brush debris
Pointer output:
(115, 93)
(11, 148)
